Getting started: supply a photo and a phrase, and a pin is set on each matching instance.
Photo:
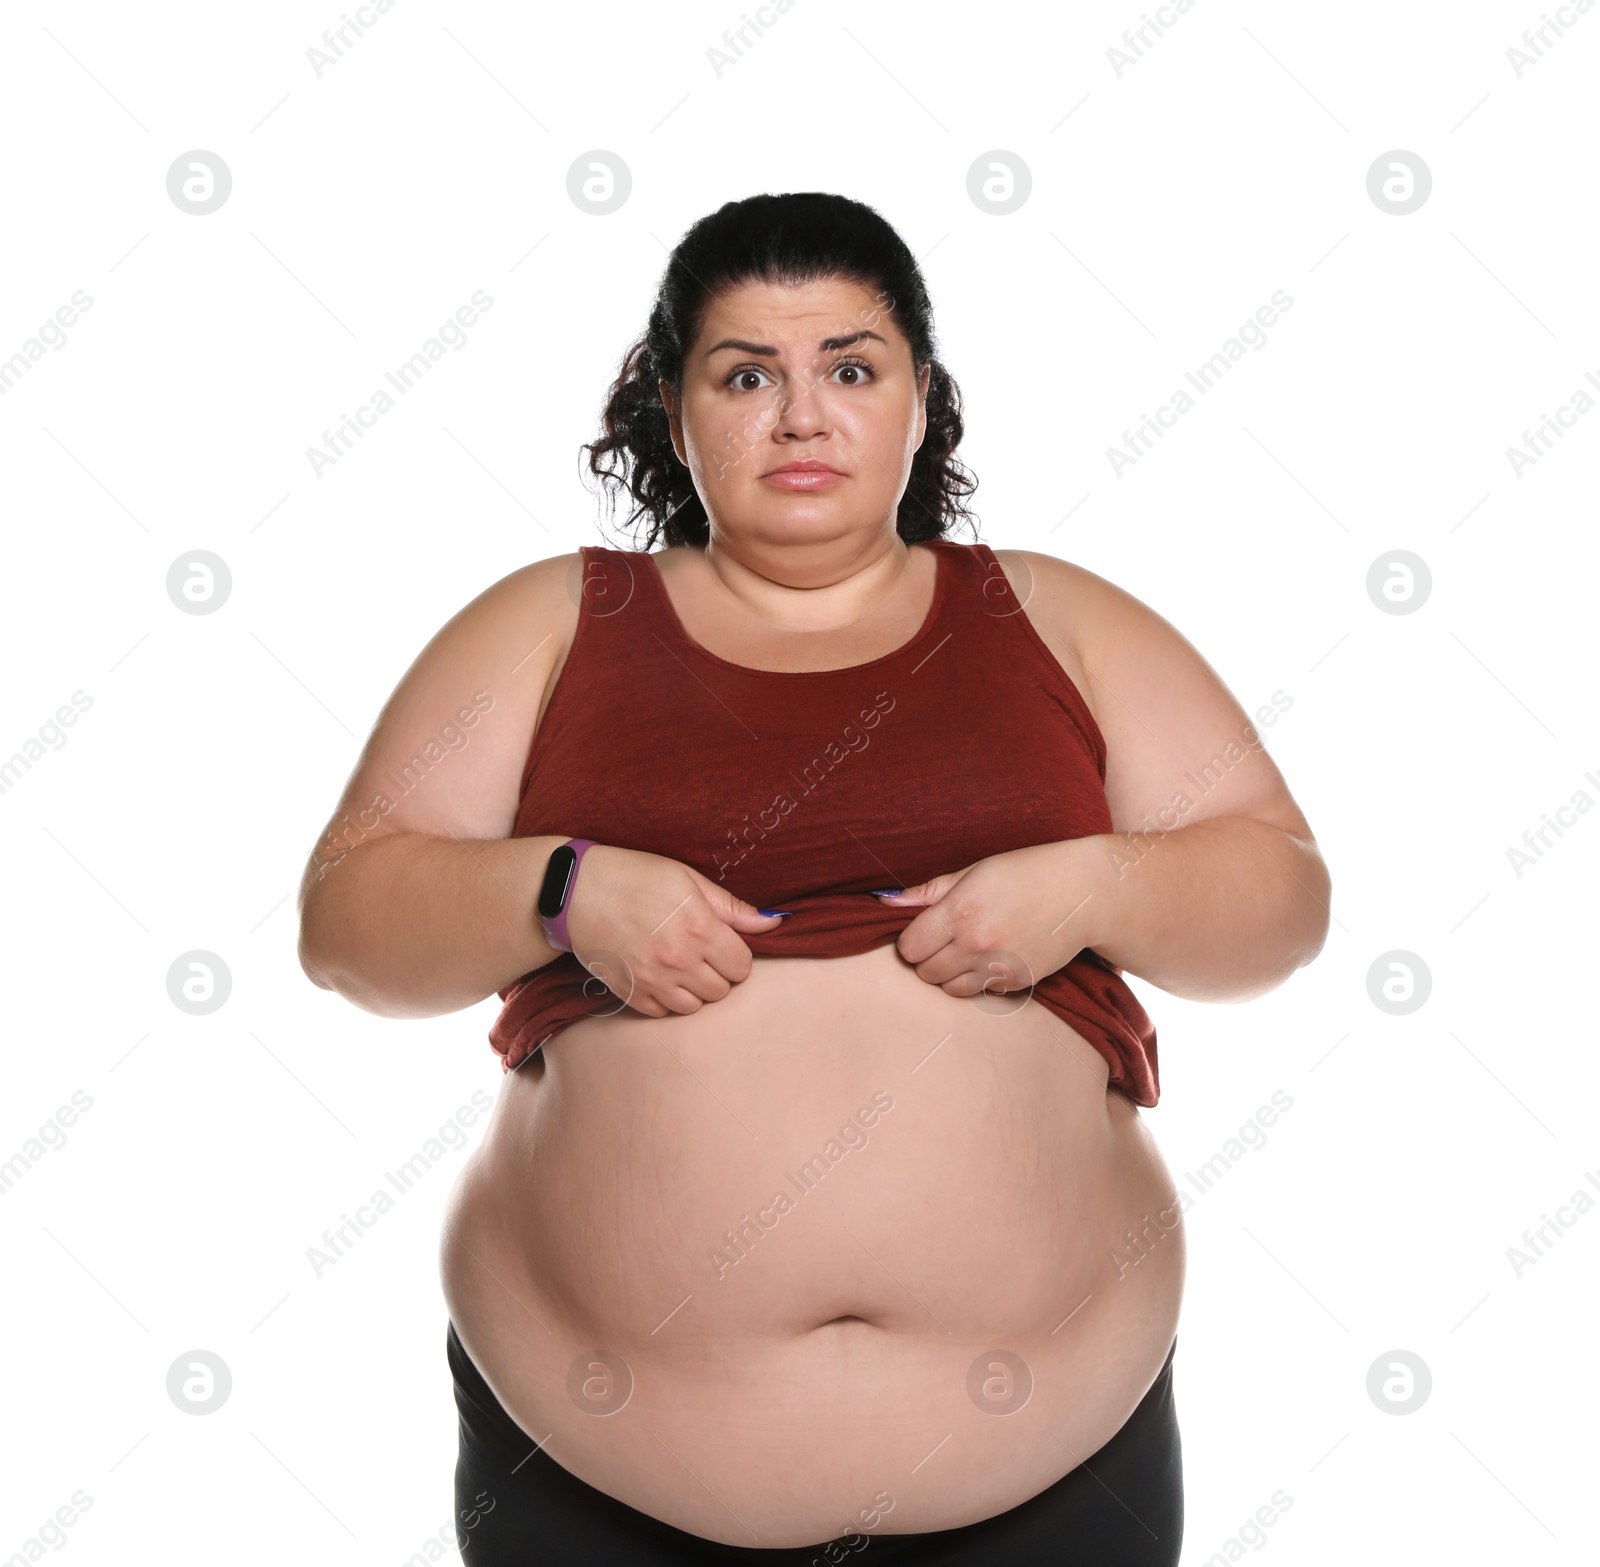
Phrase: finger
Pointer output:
(964, 986)
(728, 956)
(706, 983)
(647, 1005)
(926, 934)
(732, 911)
(963, 972)
(1004, 972)
(927, 891)
(945, 965)
(677, 999)
(690, 972)
(988, 975)
(746, 917)
(914, 897)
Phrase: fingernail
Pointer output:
(770, 912)
(888, 892)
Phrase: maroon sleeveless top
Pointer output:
(806, 790)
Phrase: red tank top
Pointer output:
(806, 790)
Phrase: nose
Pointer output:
(802, 416)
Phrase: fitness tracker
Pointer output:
(555, 896)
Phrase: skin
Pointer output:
(780, 566)
(791, 561)
(988, 1205)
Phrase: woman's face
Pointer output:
(815, 375)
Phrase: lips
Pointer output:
(803, 476)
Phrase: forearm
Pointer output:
(409, 925)
(1220, 910)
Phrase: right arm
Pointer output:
(410, 925)
(417, 900)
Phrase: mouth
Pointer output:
(803, 476)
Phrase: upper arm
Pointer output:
(447, 752)
(1179, 747)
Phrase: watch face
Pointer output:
(557, 879)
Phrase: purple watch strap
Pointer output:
(555, 930)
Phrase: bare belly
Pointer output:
(837, 1235)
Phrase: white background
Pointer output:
(1167, 204)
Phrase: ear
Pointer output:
(922, 404)
(669, 401)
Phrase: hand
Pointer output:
(1002, 923)
(657, 933)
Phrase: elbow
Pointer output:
(1311, 910)
(314, 946)
(1301, 936)
(328, 969)
(1313, 932)
(329, 966)
(329, 942)
(381, 999)
(313, 964)
(1312, 950)
(315, 949)
(1321, 909)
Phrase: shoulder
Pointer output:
(1061, 593)
(1078, 615)
(483, 677)
(1085, 614)
(552, 577)
(1109, 641)
(540, 600)
(511, 641)
(1166, 714)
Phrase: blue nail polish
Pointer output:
(775, 911)
(888, 892)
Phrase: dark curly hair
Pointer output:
(784, 239)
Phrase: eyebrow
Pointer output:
(824, 346)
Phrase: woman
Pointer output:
(811, 1214)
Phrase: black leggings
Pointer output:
(1122, 1507)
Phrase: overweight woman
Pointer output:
(807, 853)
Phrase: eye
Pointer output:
(860, 372)
(736, 378)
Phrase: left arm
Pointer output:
(1219, 910)
(1210, 884)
